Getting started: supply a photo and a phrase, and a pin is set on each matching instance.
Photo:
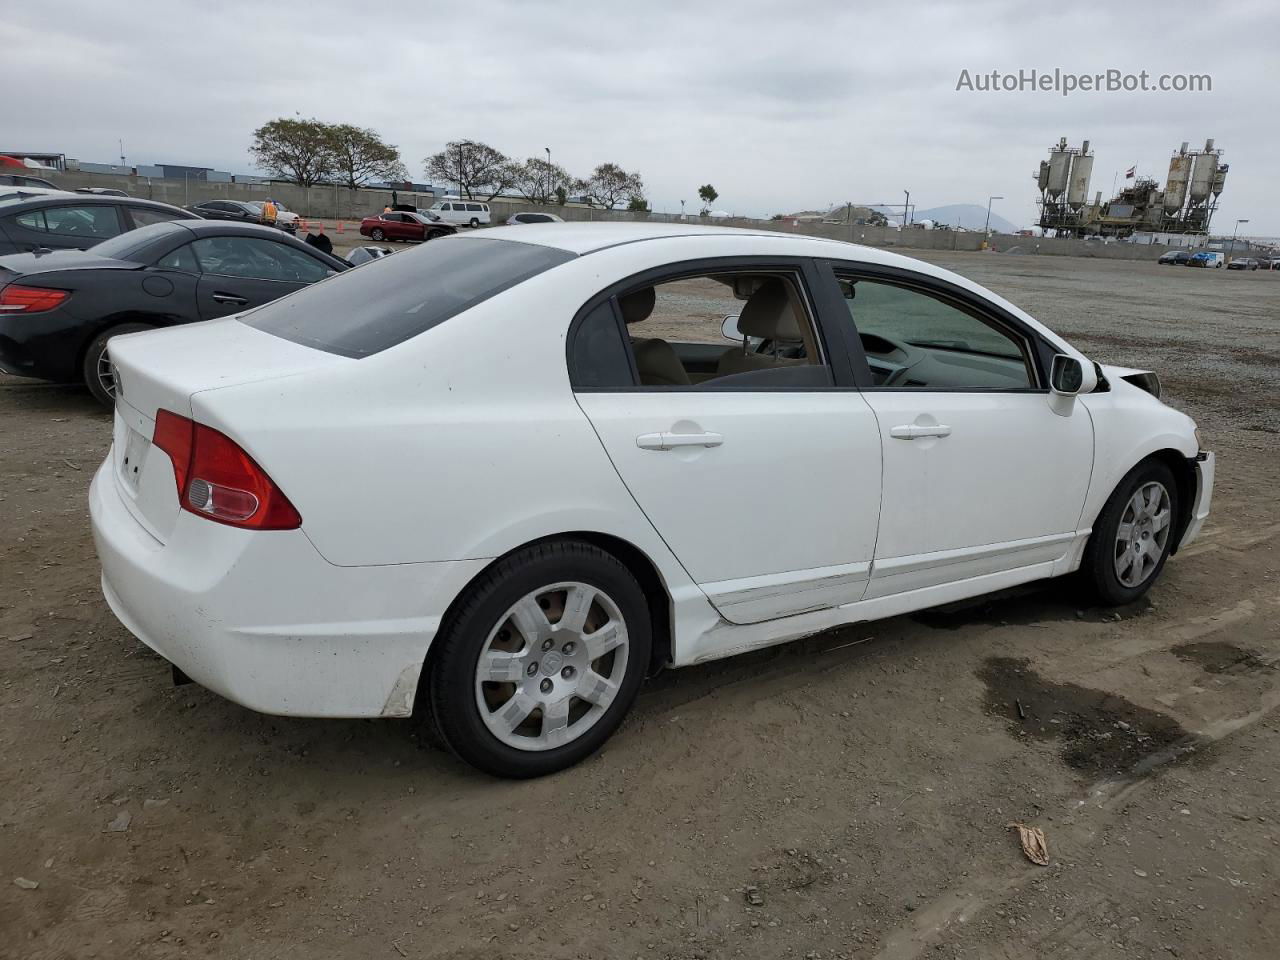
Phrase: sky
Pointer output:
(782, 107)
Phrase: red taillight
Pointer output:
(218, 480)
(16, 298)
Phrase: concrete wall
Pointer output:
(339, 203)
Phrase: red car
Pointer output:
(399, 225)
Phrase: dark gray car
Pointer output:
(74, 221)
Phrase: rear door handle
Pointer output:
(914, 431)
(669, 441)
(229, 298)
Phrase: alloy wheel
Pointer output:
(552, 666)
(1143, 534)
(105, 371)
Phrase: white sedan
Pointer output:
(501, 477)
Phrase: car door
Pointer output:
(981, 475)
(399, 227)
(240, 272)
(765, 485)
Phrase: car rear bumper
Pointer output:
(44, 345)
(263, 620)
(1205, 465)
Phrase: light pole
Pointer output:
(681, 209)
(987, 228)
(548, 149)
(1231, 248)
(906, 207)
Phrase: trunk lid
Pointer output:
(31, 264)
(164, 369)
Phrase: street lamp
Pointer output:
(1231, 248)
(906, 207)
(681, 209)
(548, 149)
(987, 228)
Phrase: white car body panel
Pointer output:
(415, 467)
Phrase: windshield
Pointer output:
(134, 244)
(386, 302)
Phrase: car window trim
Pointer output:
(1039, 351)
(803, 270)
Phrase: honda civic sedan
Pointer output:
(498, 479)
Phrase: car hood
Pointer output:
(28, 264)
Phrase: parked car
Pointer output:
(1179, 257)
(400, 225)
(286, 220)
(234, 210)
(59, 310)
(1272, 264)
(471, 212)
(1206, 258)
(22, 180)
(102, 191)
(56, 220)
(1242, 263)
(483, 463)
(518, 218)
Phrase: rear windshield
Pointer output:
(388, 300)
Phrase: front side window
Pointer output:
(256, 259)
(917, 340)
(97, 222)
(183, 259)
(727, 330)
(391, 299)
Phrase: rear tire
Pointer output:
(475, 222)
(1133, 535)
(519, 686)
(96, 368)
(377, 233)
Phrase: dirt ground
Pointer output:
(846, 796)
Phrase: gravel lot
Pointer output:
(845, 796)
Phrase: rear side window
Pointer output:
(391, 299)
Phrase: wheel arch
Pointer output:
(656, 592)
(102, 324)
(1184, 475)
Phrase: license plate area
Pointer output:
(135, 453)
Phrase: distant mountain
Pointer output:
(971, 216)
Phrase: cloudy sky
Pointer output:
(780, 106)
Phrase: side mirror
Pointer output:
(729, 328)
(1068, 378)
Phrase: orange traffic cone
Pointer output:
(340, 226)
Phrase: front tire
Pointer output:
(1133, 535)
(541, 660)
(96, 368)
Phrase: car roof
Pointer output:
(583, 237)
(49, 197)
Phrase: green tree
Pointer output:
(360, 155)
(707, 193)
(477, 169)
(539, 181)
(638, 205)
(294, 148)
(609, 185)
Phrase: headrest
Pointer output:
(637, 305)
(768, 314)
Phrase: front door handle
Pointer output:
(669, 441)
(229, 298)
(914, 431)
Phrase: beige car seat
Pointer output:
(656, 360)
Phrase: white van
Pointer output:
(471, 212)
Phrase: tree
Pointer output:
(359, 155)
(476, 168)
(707, 193)
(610, 185)
(295, 149)
(638, 205)
(539, 181)
(877, 219)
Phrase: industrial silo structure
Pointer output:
(1078, 182)
(1175, 188)
(1059, 170)
(1202, 177)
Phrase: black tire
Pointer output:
(377, 234)
(1098, 568)
(475, 222)
(95, 376)
(435, 234)
(455, 655)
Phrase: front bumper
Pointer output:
(263, 620)
(1204, 463)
